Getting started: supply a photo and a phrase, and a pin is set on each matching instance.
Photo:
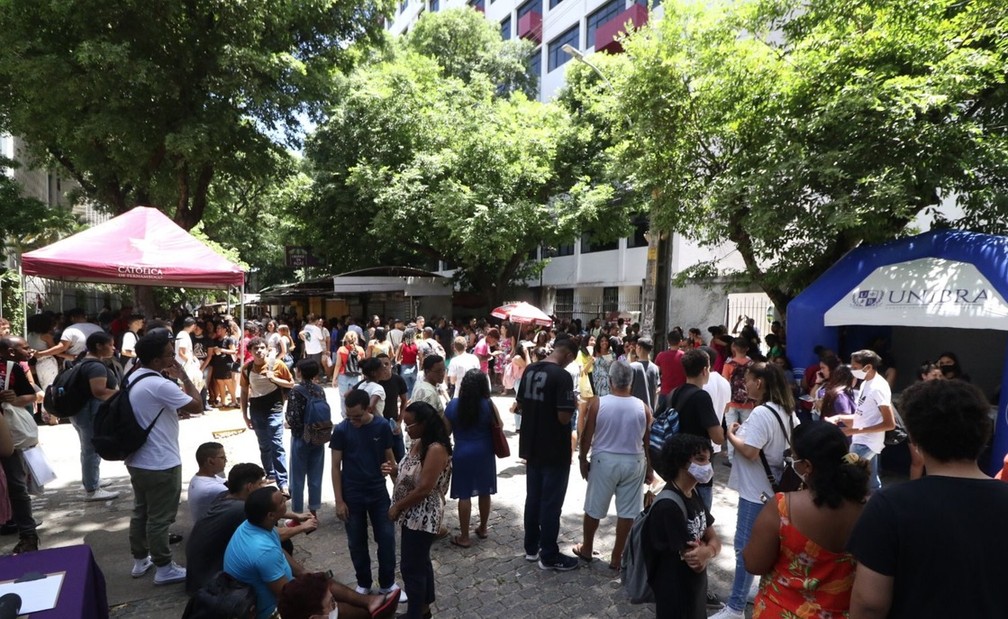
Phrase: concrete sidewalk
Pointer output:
(490, 579)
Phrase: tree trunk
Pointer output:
(143, 301)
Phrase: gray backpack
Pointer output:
(633, 567)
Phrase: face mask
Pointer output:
(859, 374)
(703, 473)
(334, 614)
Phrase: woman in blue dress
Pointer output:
(473, 416)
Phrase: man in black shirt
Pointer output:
(395, 403)
(547, 404)
(696, 409)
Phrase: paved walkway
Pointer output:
(491, 579)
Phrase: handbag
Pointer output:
(23, 429)
(501, 448)
(790, 480)
(898, 434)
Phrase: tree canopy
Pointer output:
(799, 129)
(151, 103)
(426, 157)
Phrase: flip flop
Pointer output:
(577, 553)
(388, 606)
(481, 533)
(455, 542)
(614, 568)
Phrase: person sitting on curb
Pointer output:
(208, 483)
(254, 557)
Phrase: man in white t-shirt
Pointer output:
(873, 415)
(209, 482)
(313, 338)
(720, 392)
(461, 362)
(75, 336)
(155, 469)
(183, 342)
(127, 346)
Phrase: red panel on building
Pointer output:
(530, 26)
(607, 35)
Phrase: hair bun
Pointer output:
(851, 458)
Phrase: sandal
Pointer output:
(577, 553)
(457, 541)
(481, 533)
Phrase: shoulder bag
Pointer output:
(790, 480)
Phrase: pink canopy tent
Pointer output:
(141, 247)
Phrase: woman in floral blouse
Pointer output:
(798, 541)
(421, 482)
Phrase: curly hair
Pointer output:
(834, 479)
(948, 419)
(475, 390)
(680, 449)
(301, 597)
(434, 430)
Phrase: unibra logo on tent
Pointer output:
(133, 271)
(868, 298)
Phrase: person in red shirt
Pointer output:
(670, 366)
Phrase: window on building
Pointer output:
(564, 306)
(533, 253)
(602, 15)
(558, 57)
(402, 5)
(637, 239)
(506, 29)
(435, 5)
(528, 7)
(553, 3)
(477, 4)
(588, 245)
(565, 250)
(610, 299)
(535, 70)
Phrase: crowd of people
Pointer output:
(415, 407)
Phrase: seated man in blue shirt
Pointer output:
(254, 557)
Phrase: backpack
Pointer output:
(117, 434)
(633, 565)
(352, 363)
(738, 389)
(666, 425)
(898, 434)
(69, 392)
(224, 597)
(316, 417)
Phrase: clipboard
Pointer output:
(38, 594)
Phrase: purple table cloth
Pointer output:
(83, 591)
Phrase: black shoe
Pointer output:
(27, 543)
(713, 601)
(562, 563)
(174, 538)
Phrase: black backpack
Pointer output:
(69, 392)
(117, 434)
(352, 362)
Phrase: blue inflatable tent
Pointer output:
(927, 288)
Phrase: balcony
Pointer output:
(530, 26)
(607, 35)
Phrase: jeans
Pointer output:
(306, 460)
(417, 570)
(17, 490)
(398, 445)
(83, 422)
(747, 512)
(706, 495)
(268, 428)
(545, 487)
(155, 504)
(344, 383)
(409, 376)
(874, 483)
(375, 508)
(734, 415)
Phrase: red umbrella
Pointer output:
(522, 313)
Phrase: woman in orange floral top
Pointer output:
(798, 541)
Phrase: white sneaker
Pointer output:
(727, 613)
(168, 574)
(534, 557)
(361, 590)
(105, 483)
(402, 596)
(100, 495)
(141, 567)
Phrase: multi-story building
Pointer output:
(585, 279)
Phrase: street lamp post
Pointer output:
(654, 296)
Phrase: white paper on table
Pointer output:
(38, 465)
(36, 595)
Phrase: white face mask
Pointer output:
(859, 374)
(703, 473)
(334, 614)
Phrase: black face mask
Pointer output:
(950, 370)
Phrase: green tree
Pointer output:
(798, 130)
(151, 103)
